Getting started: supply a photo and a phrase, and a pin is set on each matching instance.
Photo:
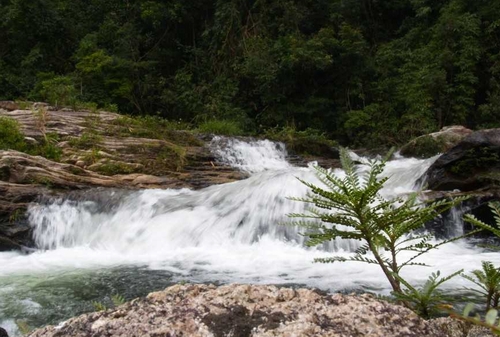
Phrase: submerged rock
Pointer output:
(250, 310)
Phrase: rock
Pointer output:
(31, 141)
(98, 150)
(3, 333)
(434, 143)
(472, 164)
(41, 105)
(456, 328)
(9, 105)
(477, 204)
(248, 310)
(144, 179)
(6, 244)
(14, 200)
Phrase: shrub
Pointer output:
(111, 168)
(221, 127)
(307, 142)
(87, 140)
(153, 127)
(426, 301)
(11, 138)
(57, 90)
(353, 208)
(488, 281)
(48, 150)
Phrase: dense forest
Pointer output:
(364, 72)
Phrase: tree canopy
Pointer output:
(364, 72)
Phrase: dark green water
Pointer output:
(49, 299)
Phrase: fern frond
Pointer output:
(345, 259)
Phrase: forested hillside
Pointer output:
(364, 72)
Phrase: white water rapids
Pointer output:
(223, 233)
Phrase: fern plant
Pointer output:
(489, 321)
(487, 279)
(495, 208)
(116, 300)
(427, 300)
(352, 207)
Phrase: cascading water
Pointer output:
(223, 233)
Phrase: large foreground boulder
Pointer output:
(434, 143)
(472, 164)
(249, 310)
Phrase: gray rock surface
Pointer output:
(251, 310)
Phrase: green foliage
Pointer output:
(423, 147)
(221, 127)
(475, 159)
(352, 208)
(11, 138)
(92, 156)
(88, 140)
(111, 168)
(47, 149)
(23, 327)
(495, 208)
(116, 300)
(365, 72)
(427, 301)
(153, 127)
(98, 306)
(489, 321)
(488, 281)
(57, 90)
(310, 141)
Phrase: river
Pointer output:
(133, 243)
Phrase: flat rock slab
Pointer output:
(250, 310)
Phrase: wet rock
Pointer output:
(3, 333)
(472, 164)
(249, 310)
(434, 143)
(101, 149)
(6, 244)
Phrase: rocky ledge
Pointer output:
(251, 310)
(95, 149)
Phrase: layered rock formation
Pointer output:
(97, 149)
(257, 311)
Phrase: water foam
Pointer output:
(253, 156)
(223, 233)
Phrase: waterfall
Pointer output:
(233, 232)
(256, 156)
(239, 213)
